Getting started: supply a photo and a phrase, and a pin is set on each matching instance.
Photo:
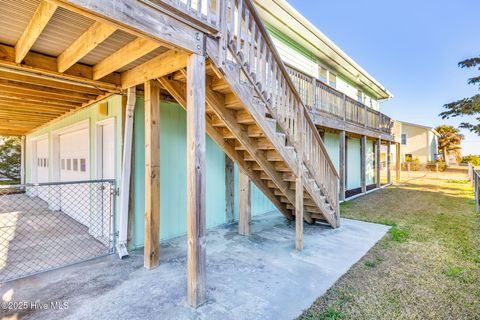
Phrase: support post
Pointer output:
(397, 162)
(299, 184)
(342, 165)
(22, 160)
(244, 204)
(152, 174)
(378, 149)
(229, 190)
(196, 246)
(389, 163)
(125, 183)
(363, 163)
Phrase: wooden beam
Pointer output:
(50, 82)
(14, 98)
(299, 190)
(157, 67)
(389, 163)
(342, 165)
(363, 163)
(152, 175)
(47, 91)
(178, 91)
(88, 41)
(122, 57)
(196, 248)
(378, 148)
(31, 94)
(146, 22)
(229, 190)
(398, 165)
(37, 23)
(244, 204)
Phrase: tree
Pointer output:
(449, 140)
(466, 106)
(10, 157)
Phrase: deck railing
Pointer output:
(252, 48)
(474, 176)
(329, 100)
(204, 11)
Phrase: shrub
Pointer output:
(475, 160)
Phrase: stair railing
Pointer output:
(245, 35)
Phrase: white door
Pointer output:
(42, 164)
(74, 166)
(108, 151)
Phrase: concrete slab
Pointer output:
(260, 277)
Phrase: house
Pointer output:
(418, 142)
(194, 119)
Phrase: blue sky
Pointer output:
(411, 46)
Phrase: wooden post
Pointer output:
(299, 184)
(342, 165)
(244, 204)
(152, 174)
(397, 162)
(378, 149)
(196, 255)
(229, 190)
(363, 163)
(389, 162)
(22, 160)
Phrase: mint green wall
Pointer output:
(332, 144)
(173, 179)
(259, 202)
(353, 163)
(370, 164)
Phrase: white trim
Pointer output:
(84, 124)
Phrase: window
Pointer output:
(323, 74)
(63, 164)
(359, 96)
(408, 157)
(332, 80)
(69, 164)
(75, 164)
(404, 139)
(83, 165)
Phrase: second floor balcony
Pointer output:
(322, 99)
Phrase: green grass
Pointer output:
(426, 267)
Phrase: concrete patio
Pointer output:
(260, 277)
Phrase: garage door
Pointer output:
(74, 166)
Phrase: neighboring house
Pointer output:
(418, 142)
(96, 76)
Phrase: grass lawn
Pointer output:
(426, 267)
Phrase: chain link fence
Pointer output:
(50, 225)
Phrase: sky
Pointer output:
(412, 47)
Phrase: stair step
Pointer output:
(244, 117)
(265, 176)
(220, 85)
(227, 134)
(233, 102)
(307, 202)
(239, 146)
(255, 132)
(289, 177)
(265, 144)
(217, 122)
(273, 155)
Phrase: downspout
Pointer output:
(126, 173)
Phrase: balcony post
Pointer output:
(342, 164)
(363, 164)
(365, 118)
(389, 160)
(378, 148)
(314, 97)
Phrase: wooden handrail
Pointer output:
(281, 65)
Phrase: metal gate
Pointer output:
(50, 225)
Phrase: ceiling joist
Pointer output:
(34, 28)
(88, 41)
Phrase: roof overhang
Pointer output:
(288, 20)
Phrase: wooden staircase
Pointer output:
(255, 114)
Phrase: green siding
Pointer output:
(275, 33)
(332, 144)
(353, 163)
(173, 179)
